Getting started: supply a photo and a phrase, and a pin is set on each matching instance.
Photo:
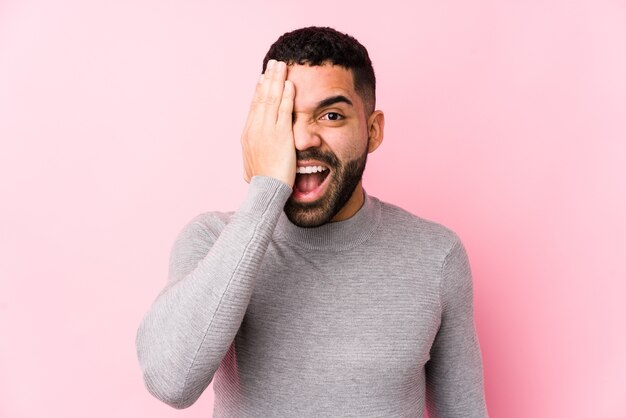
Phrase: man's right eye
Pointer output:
(332, 116)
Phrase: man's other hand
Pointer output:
(267, 141)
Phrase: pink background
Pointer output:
(120, 121)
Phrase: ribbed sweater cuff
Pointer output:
(265, 195)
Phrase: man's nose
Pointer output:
(305, 135)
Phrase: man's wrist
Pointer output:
(265, 192)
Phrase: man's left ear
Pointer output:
(376, 127)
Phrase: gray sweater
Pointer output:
(367, 317)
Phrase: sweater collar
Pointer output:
(334, 236)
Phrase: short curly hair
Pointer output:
(316, 45)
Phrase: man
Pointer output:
(315, 299)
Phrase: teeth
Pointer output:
(310, 169)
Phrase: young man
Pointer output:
(315, 299)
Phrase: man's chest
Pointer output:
(351, 315)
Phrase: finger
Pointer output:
(257, 108)
(285, 111)
(255, 101)
(274, 93)
(265, 79)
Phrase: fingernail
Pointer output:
(270, 64)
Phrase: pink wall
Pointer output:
(120, 120)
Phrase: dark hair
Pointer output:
(320, 45)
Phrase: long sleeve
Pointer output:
(192, 323)
(454, 373)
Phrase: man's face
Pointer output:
(331, 132)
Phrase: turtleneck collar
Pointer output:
(334, 236)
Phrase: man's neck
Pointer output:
(335, 236)
(352, 206)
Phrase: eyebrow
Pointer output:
(329, 101)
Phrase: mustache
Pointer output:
(327, 157)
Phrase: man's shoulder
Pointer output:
(212, 217)
(409, 226)
(206, 224)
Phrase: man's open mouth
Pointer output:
(309, 181)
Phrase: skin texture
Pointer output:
(289, 124)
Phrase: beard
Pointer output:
(345, 177)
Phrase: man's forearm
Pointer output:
(189, 328)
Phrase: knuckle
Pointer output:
(271, 99)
